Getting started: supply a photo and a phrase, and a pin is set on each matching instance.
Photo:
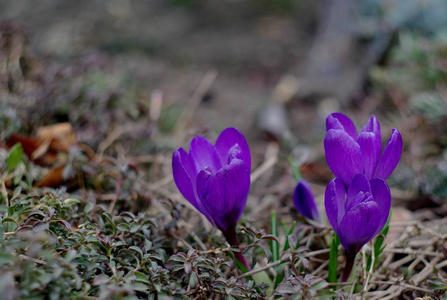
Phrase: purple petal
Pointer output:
(188, 164)
(359, 185)
(304, 201)
(341, 121)
(344, 156)
(204, 154)
(372, 126)
(224, 194)
(359, 226)
(183, 179)
(371, 146)
(391, 155)
(334, 202)
(382, 196)
(225, 146)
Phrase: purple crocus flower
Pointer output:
(358, 214)
(304, 201)
(349, 153)
(215, 179)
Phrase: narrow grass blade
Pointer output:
(333, 259)
(274, 246)
(378, 244)
(296, 173)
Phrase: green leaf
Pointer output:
(286, 288)
(11, 220)
(71, 201)
(274, 245)
(147, 244)
(333, 259)
(15, 156)
(317, 283)
(134, 228)
(261, 277)
(89, 207)
(138, 250)
(16, 194)
(193, 280)
(141, 277)
(123, 227)
(112, 223)
(139, 286)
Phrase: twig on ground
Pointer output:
(414, 252)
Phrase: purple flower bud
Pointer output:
(304, 201)
(358, 214)
(215, 179)
(349, 153)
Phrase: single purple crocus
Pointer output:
(358, 214)
(215, 179)
(349, 153)
(304, 201)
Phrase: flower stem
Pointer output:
(230, 235)
(350, 259)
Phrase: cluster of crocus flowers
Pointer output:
(358, 200)
(215, 179)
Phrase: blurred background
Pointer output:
(272, 68)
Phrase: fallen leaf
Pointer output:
(29, 144)
(41, 150)
(54, 178)
(50, 141)
(61, 136)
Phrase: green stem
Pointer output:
(230, 235)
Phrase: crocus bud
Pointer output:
(304, 201)
(215, 179)
(349, 153)
(358, 214)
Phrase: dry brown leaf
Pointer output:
(54, 178)
(41, 150)
(61, 135)
(29, 144)
(50, 141)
